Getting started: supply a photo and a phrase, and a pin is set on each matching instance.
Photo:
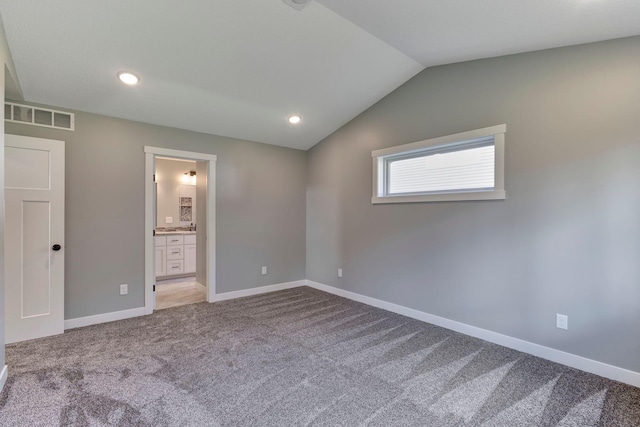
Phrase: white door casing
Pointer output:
(149, 275)
(34, 223)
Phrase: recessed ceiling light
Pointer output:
(295, 119)
(128, 78)
(297, 4)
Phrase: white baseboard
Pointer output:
(259, 290)
(103, 318)
(3, 376)
(141, 311)
(201, 287)
(558, 356)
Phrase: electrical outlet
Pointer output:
(264, 270)
(562, 321)
(168, 220)
(339, 272)
(124, 289)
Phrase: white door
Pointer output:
(34, 238)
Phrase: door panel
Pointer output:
(34, 222)
(27, 168)
(36, 286)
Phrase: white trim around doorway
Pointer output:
(149, 247)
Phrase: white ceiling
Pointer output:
(236, 68)
(239, 68)
(435, 32)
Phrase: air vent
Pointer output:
(28, 115)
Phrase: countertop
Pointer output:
(173, 232)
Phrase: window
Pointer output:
(464, 166)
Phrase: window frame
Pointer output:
(441, 144)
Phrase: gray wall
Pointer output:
(566, 239)
(260, 209)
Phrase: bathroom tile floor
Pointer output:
(177, 292)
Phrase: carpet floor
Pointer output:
(293, 358)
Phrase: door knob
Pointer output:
(56, 247)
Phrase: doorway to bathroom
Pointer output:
(176, 203)
(180, 225)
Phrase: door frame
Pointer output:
(149, 245)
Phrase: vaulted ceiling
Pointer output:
(239, 68)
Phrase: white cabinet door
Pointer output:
(34, 238)
(161, 261)
(189, 258)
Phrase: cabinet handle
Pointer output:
(174, 267)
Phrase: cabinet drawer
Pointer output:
(175, 267)
(161, 240)
(175, 251)
(175, 240)
(190, 239)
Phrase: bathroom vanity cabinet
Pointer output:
(175, 254)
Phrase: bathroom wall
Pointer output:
(170, 187)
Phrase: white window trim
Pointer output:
(498, 193)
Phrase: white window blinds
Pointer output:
(465, 168)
